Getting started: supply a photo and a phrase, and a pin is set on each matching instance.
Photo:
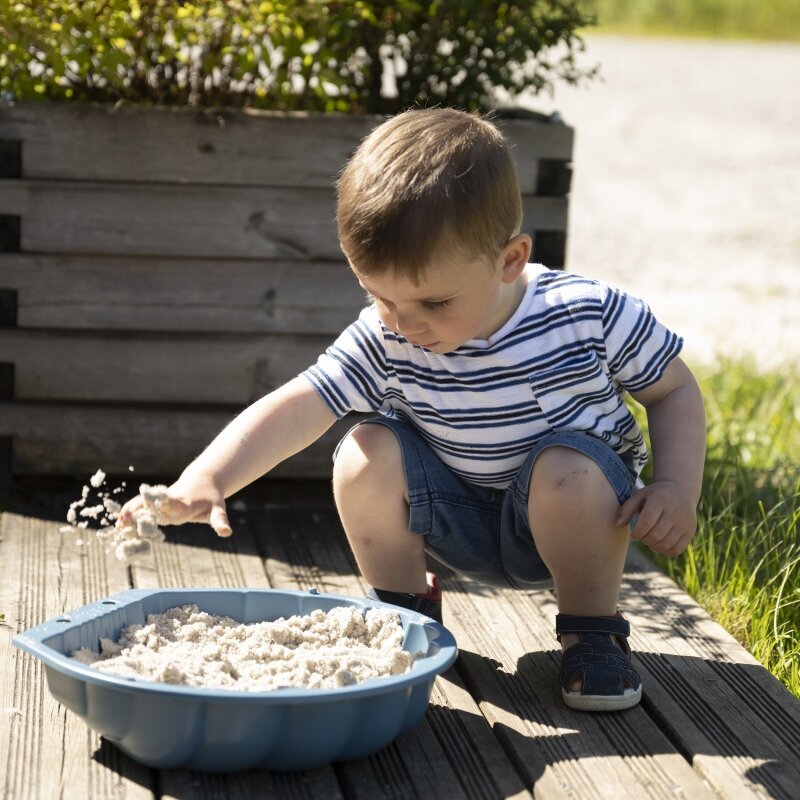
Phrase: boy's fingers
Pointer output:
(649, 519)
(174, 511)
(170, 511)
(660, 536)
(218, 520)
(642, 527)
(633, 505)
(125, 516)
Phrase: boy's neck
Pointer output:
(515, 293)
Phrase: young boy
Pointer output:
(501, 444)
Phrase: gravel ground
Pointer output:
(686, 187)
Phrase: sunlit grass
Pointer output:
(777, 20)
(743, 565)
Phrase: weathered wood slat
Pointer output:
(452, 753)
(191, 221)
(219, 147)
(125, 143)
(46, 752)
(135, 293)
(76, 440)
(194, 555)
(481, 763)
(180, 784)
(230, 369)
(169, 219)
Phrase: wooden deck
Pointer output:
(713, 723)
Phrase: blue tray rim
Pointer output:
(31, 641)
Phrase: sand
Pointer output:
(128, 541)
(188, 647)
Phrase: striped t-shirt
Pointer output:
(562, 362)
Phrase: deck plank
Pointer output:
(47, 752)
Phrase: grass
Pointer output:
(774, 20)
(743, 565)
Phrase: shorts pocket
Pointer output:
(576, 396)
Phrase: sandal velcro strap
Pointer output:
(615, 626)
(422, 604)
(602, 667)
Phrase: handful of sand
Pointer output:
(128, 541)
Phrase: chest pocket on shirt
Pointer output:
(577, 395)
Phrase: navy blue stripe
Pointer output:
(327, 391)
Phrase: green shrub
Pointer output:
(288, 54)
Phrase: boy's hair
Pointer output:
(422, 181)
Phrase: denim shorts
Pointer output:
(480, 532)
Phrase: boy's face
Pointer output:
(455, 300)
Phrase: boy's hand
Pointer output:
(667, 518)
(189, 499)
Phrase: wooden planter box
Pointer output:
(162, 268)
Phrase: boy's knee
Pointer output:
(564, 478)
(368, 451)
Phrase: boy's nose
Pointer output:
(408, 324)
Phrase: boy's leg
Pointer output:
(369, 487)
(398, 501)
(572, 508)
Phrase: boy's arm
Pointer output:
(676, 419)
(269, 431)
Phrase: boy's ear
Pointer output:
(515, 256)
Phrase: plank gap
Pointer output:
(6, 381)
(10, 158)
(661, 721)
(9, 300)
(554, 177)
(550, 248)
(10, 233)
(6, 470)
(506, 745)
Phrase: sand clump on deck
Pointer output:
(190, 647)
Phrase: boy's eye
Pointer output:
(434, 305)
(430, 305)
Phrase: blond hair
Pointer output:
(422, 181)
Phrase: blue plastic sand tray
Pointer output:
(221, 730)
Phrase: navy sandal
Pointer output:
(600, 662)
(429, 604)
